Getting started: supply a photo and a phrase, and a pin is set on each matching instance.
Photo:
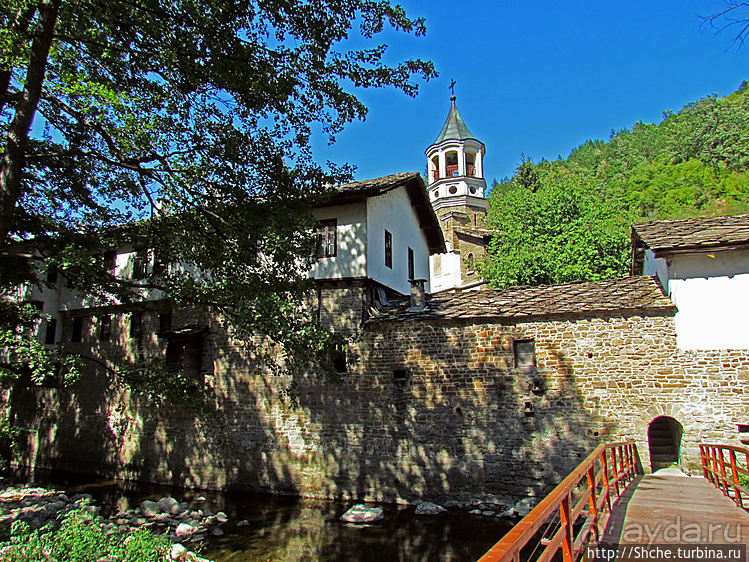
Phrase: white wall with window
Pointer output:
(392, 211)
(350, 259)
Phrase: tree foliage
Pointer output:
(182, 127)
(574, 224)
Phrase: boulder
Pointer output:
(429, 508)
(184, 530)
(166, 504)
(363, 514)
(149, 508)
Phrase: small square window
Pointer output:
(525, 354)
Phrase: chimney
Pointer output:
(418, 295)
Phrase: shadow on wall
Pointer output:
(429, 410)
(440, 411)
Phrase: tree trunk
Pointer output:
(11, 167)
(19, 26)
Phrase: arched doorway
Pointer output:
(664, 442)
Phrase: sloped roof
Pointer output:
(454, 127)
(678, 236)
(417, 194)
(623, 295)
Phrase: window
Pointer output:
(165, 321)
(327, 239)
(140, 264)
(525, 354)
(340, 359)
(110, 261)
(411, 264)
(49, 336)
(470, 264)
(136, 325)
(77, 334)
(105, 327)
(388, 249)
(185, 353)
(52, 274)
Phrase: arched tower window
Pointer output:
(435, 168)
(470, 164)
(451, 164)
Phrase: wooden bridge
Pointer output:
(606, 508)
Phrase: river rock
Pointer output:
(149, 508)
(167, 504)
(221, 517)
(429, 508)
(363, 514)
(524, 506)
(184, 530)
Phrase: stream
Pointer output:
(278, 528)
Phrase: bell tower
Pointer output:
(457, 192)
(455, 163)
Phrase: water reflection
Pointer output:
(277, 528)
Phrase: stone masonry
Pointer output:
(436, 405)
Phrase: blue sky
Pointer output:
(539, 78)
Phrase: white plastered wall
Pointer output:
(393, 212)
(711, 292)
(351, 231)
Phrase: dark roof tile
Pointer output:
(668, 236)
(625, 294)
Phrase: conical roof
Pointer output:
(454, 127)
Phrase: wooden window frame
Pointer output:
(327, 238)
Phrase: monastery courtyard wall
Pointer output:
(428, 409)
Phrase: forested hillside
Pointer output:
(570, 219)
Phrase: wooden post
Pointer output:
(615, 470)
(568, 542)
(723, 477)
(736, 490)
(592, 507)
(606, 487)
(703, 458)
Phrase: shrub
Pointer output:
(81, 538)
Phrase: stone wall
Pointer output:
(437, 410)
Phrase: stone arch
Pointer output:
(664, 442)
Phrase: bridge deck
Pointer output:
(671, 508)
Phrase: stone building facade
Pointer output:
(493, 395)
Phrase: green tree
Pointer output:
(182, 127)
(566, 230)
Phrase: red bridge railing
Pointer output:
(731, 475)
(581, 502)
